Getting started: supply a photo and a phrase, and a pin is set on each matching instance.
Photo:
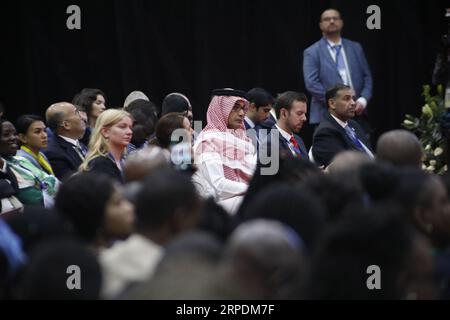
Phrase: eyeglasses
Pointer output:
(328, 19)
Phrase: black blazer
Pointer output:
(284, 150)
(330, 138)
(104, 165)
(62, 156)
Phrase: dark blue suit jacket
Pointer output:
(269, 123)
(320, 74)
(63, 157)
(330, 138)
(283, 145)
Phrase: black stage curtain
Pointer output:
(194, 46)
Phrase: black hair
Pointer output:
(86, 98)
(260, 97)
(286, 99)
(82, 200)
(292, 205)
(24, 122)
(174, 102)
(48, 273)
(291, 170)
(145, 117)
(332, 92)
(165, 128)
(378, 236)
(162, 194)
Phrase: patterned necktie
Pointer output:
(340, 63)
(296, 146)
(79, 151)
(351, 134)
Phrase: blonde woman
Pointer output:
(111, 135)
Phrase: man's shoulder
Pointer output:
(350, 43)
(314, 46)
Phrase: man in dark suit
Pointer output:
(261, 103)
(64, 151)
(334, 60)
(337, 131)
(290, 108)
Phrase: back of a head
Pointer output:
(56, 267)
(400, 148)
(348, 162)
(379, 180)
(37, 224)
(291, 171)
(175, 102)
(82, 200)
(378, 237)
(263, 259)
(166, 127)
(293, 206)
(165, 194)
(143, 162)
(142, 107)
(334, 194)
(134, 95)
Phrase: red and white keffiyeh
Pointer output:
(236, 150)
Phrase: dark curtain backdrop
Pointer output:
(194, 46)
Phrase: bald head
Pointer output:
(63, 119)
(400, 148)
(348, 161)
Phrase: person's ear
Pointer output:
(23, 138)
(105, 132)
(332, 104)
(422, 219)
(66, 125)
(284, 113)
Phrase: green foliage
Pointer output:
(427, 128)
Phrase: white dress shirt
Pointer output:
(346, 74)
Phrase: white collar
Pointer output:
(332, 44)
(273, 113)
(71, 141)
(250, 122)
(340, 122)
(284, 134)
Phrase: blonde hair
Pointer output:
(98, 143)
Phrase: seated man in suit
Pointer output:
(258, 112)
(64, 151)
(337, 132)
(290, 108)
